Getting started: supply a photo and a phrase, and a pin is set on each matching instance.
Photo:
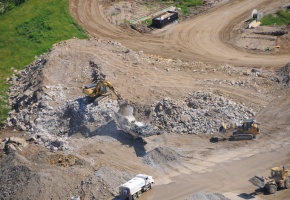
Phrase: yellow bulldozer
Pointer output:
(99, 91)
(279, 178)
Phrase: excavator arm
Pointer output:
(112, 88)
(99, 89)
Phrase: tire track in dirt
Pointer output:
(204, 38)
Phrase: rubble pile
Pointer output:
(25, 95)
(199, 113)
(75, 116)
(13, 144)
(46, 111)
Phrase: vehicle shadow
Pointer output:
(259, 191)
(110, 129)
(247, 196)
(117, 198)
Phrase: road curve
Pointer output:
(204, 38)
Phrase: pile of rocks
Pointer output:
(25, 95)
(161, 158)
(47, 113)
(13, 144)
(199, 113)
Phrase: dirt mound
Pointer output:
(162, 158)
(284, 75)
(17, 180)
(114, 178)
(23, 179)
(64, 160)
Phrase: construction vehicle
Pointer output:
(99, 91)
(248, 130)
(133, 188)
(280, 178)
(126, 122)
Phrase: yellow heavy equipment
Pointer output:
(248, 130)
(279, 178)
(99, 91)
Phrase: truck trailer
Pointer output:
(164, 19)
(133, 188)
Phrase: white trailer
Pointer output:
(133, 188)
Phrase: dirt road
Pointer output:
(228, 178)
(89, 133)
(204, 38)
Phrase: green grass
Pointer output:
(147, 22)
(182, 4)
(30, 30)
(281, 17)
(185, 4)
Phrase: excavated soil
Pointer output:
(73, 147)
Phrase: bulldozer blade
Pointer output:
(257, 181)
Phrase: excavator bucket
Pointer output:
(258, 181)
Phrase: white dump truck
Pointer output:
(133, 188)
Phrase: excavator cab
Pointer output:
(249, 126)
(103, 90)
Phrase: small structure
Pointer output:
(164, 19)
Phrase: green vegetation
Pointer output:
(281, 17)
(30, 30)
(188, 3)
(147, 22)
(6, 5)
(184, 4)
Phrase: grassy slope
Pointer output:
(281, 17)
(28, 31)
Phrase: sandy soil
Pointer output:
(204, 38)
(142, 77)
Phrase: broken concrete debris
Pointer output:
(198, 113)
(13, 144)
(48, 113)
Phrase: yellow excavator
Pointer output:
(248, 130)
(99, 91)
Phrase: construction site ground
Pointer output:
(210, 51)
